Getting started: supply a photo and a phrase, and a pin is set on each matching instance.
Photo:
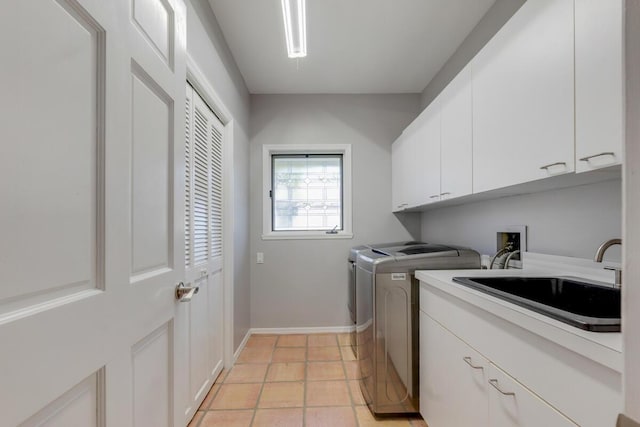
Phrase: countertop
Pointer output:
(602, 347)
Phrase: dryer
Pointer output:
(387, 323)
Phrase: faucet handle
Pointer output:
(618, 275)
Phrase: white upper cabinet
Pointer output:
(398, 173)
(456, 150)
(427, 160)
(599, 83)
(415, 162)
(523, 98)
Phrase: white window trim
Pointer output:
(267, 152)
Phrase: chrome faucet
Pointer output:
(508, 247)
(600, 254)
(508, 259)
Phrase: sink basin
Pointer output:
(589, 306)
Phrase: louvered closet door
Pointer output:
(203, 246)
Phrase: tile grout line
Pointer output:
(306, 382)
(212, 397)
(264, 379)
(353, 402)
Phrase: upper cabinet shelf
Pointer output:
(543, 98)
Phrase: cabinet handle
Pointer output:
(468, 362)
(545, 167)
(586, 159)
(446, 193)
(434, 196)
(494, 383)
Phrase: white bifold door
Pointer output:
(203, 247)
(92, 223)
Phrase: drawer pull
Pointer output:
(586, 159)
(494, 383)
(446, 193)
(546, 167)
(434, 196)
(468, 362)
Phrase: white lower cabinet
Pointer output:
(461, 387)
(510, 404)
(453, 379)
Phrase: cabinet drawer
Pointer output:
(510, 404)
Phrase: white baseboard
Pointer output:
(308, 330)
(241, 346)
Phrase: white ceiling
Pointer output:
(354, 46)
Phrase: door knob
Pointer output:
(185, 293)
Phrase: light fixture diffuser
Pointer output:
(295, 27)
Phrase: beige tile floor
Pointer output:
(292, 381)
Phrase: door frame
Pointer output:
(201, 84)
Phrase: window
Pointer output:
(307, 191)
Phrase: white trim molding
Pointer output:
(345, 151)
(241, 347)
(303, 330)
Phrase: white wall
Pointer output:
(488, 26)
(303, 283)
(570, 221)
(206, 45)
(631, 274)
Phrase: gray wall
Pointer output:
(570, 222)
(303, 283)
(206, 45)
(492, 21)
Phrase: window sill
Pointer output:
(302, 235)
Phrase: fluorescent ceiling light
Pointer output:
(295, 27)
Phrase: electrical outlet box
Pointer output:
(514, 234)
(260, 258)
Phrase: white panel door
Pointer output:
(202, 318)
(523, 98)
(92, 124)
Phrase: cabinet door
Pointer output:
(599, 83)
(453, 379)
(398, 174)
(424, 157)
(510, 404)
(523, 98)
(456, 138)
